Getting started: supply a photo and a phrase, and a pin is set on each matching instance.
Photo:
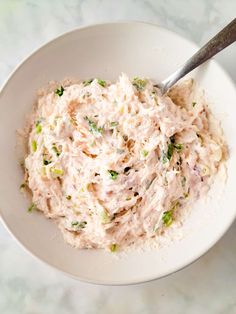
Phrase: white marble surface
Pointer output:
(26, 285)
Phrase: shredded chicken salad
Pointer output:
(116, 163)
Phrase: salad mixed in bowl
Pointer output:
(118, 164)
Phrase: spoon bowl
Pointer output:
(105, 51)
(223, 39)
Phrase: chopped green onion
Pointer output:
(167, 218)
(164, 158)
(46, 162)
(179, 147)
(150, 183)
(34, 146)
(68, 197)
(93, 127)
(113, 174)
(57, 172)
(144, 153)
(186, 195)
(74, 223)
(170, 151)
(139, 83)
(32, 206)
(183, 181)
(79, 225)
(113, 247)
(175, 205)
(55, 149)
(105, 217)
(114, 124)
(101, 82)
(194, 103)
(154, 97)
(38, 127)
(82, 224)
(87, 82)
(59, 91)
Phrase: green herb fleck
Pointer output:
(46, 162)
(79, 225)
(68, 197)
(167, 218)
(170, 151)
(183, 181)
(105, 217)
(194, 104)
(139, 83)
(57, 172)
(149, 183)
(93, 127)
(113, 247)
(114, 124)
(101, 82)
(179, 147)
(31, 208)
(154, 97)
(38, 127)
(164, 158)
(55, 149)
(186, 195)
(74, 223)
(59, 91)
(87, 82)
(144, 153)
(167, 156)
(113, 174)
(175, 205)
(34, 146)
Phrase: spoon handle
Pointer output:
(223, 39)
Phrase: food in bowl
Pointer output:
(119, 164)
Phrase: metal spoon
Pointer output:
(223, 39)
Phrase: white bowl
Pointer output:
(105, 51)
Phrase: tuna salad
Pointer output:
(113, 163)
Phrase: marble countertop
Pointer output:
(27, 286)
